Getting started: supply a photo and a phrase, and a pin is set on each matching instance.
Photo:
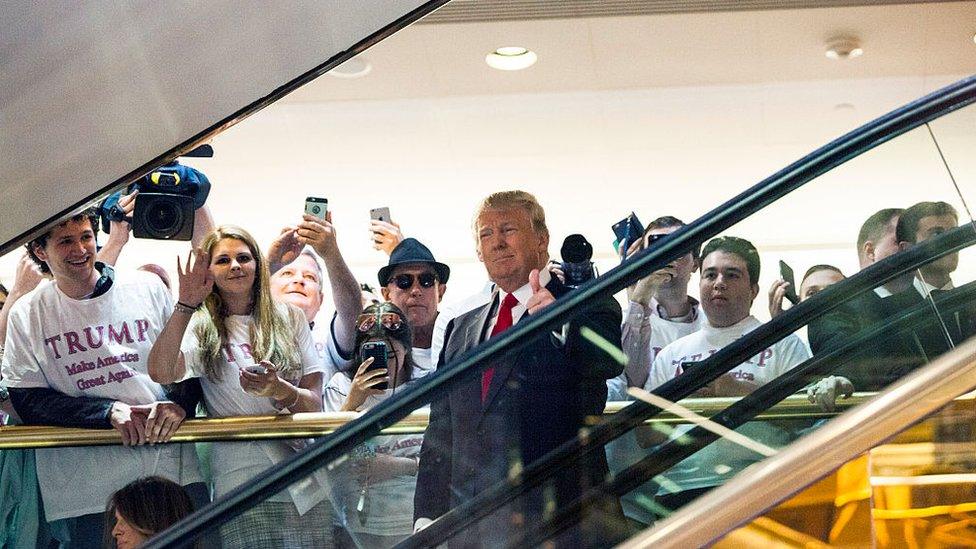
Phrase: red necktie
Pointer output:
(502, 323)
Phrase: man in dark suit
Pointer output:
(524, 404)
(890, 356)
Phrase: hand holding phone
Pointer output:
(377, 351)
(316, 206)
(786, 273)
(628, 230)
(380, 214)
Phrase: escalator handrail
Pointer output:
(683, 386)
(668, 249)
(748, 408)
(813, 457)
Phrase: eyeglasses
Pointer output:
(405, 281)
(390, 321)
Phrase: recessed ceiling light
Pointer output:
(356, 67)
(511, 58)
(974, 38)
(843, 47)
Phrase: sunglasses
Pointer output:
(405, 281)
(390, 322)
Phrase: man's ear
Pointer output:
(902, 246)
(385, 292)
(440, 292)
(755, 291)
(39, 252)
(868, 250)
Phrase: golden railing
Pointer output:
(309, 425)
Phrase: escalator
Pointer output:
(698, 483)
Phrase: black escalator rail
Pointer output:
(684, 386)
(747, 408)
(669, 248)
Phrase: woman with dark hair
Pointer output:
(254, 356)
(142, 509)
(376, 494)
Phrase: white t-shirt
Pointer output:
(322, 339)
(423, 362)
(235, 463)
(390, 501)
(94, 347)
(722, 459)
(662, 332)
(642, 324)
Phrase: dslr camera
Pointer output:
(164, 208)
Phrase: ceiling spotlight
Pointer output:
(974, 38)
(843, 47)
(356, 67)
(511, 58)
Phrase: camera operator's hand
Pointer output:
(285, 249)
(363, 385)
(118, 235)
(556, 270)
(635, 247)
(319, 234)
(386, 236)
(196, 282)
(776, 294)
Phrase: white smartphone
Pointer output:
(316, 206)
(380, 214)
(256, 369)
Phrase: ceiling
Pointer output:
(660, 114)
(662, 50)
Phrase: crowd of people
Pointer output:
(87, 346)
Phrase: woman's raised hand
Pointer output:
(196, 282)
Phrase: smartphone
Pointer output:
(376, 350)
(256, 369)
(628, 230)
(380, 214)
(316, 206)
(786, 273)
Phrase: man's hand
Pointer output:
(385, 236)
(776, 294)
(130, 423)
(541, 298)
(319, 234)
(128, 204)
(162, 419)
(644, 289)
(284, 249)
(824, 392)
(196, 282)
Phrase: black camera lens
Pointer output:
(165, 218)
(316, 210)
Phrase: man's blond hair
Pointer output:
(507, 200)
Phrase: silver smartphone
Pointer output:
(380, 214)
(316, 206)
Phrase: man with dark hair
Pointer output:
(876, 240)
(76, 351)
(921, 222)
(524, 404)
(730, 270)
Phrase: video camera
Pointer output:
(167, 198)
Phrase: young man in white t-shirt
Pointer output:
(75, 356)
(729, 274)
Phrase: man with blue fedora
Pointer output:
(415, 282)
